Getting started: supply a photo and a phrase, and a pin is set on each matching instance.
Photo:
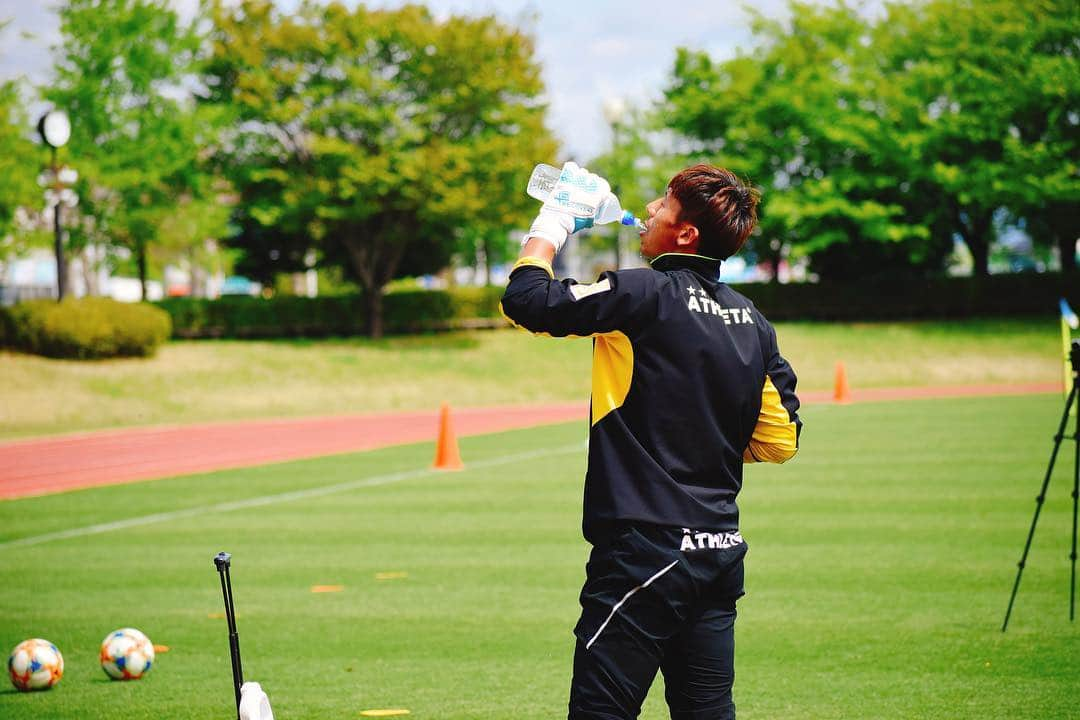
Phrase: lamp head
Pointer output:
(55, 128)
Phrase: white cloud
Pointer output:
(610, 48)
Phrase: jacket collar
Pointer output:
(707, 266)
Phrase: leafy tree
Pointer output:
(1044, 141)
(801, 117)
(373, 135)
(987, 92)
(120, 73)
(20, 158)
(877, 141)
(187, 234)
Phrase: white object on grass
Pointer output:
(254, 705)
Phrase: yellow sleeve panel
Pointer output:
(535, 262)
(523, 262)
(612, 371)
(774, 439)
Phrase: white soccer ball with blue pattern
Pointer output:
(35, 664)
(126, 654)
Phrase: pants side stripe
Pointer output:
(626, 597)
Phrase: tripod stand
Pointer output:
(222, 561)
(1074, 397)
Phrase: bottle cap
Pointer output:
(628, 218)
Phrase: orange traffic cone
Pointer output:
(447, 455)
(841, 392)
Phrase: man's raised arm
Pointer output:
(538, 302)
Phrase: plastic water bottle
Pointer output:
(543, 180)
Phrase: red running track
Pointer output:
(56, 464)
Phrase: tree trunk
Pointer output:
(375, 261)
(140, 259)
(198, 276)
(487, 260)
(374, 299)
(976, 231)
(774, 263)
(1067, 250)
(88, 271)
(980, 255)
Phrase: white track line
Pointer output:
(274, 499)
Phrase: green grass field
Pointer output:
(203, 381)
(880, 566)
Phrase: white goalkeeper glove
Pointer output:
(570, 207)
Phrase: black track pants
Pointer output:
(663, 599)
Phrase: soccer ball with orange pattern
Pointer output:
(35, 664)
(126, 654)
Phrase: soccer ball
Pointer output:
(35, 664)
(126, 654)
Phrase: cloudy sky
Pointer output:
(592, 51)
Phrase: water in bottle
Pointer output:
(543, 180)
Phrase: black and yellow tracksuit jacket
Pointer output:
(687, 385)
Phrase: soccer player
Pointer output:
(687, 385)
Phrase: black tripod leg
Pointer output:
(234, 642)
(1039, 503)
(222, 561)
(1075, 497)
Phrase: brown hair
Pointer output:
(722, 208)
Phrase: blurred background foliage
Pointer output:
(372, 136)
(877, 141)
(375, 144)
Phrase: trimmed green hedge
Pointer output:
(332, 315)
(250, 317)
(887, 298)
(84, 328)
(422, 310)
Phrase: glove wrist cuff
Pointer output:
(547, 228)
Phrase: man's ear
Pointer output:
(688, 238)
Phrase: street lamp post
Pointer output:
(614, 110)
(55, 130)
